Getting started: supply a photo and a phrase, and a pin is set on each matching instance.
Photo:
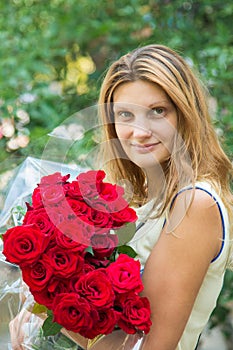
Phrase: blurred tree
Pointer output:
(54, 53)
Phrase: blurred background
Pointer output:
(54, 53)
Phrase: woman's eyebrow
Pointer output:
(158, 102)
(120, 105)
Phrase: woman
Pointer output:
(159, 139)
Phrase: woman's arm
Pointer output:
(177, 266)
(20, 337)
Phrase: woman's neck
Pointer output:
(155, 181)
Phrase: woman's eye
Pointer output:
(157, 112)
(124, 114)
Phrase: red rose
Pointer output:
(72, 190)
(43, 297)
(104, 245)
(96, 288)
(123, 216)
(135, 313)
(87, 268)
(40, 218)
(53, 179)
(89, 183)
(66, 242)
(102, 230)
(61, 212)
(58, 285)
(73, 280)
(78, 207)
(107, 321)
(96, 262)
(74, 313)
(56, 214)
(54, 287)
(92, 177)
(98, 204)
(88, 192)
(77, 230)
(124, 274)
(36, 198)
(37, 275)
(52, 242)
(24, 244)
(110, 192)
(52, 195)
(101, 219)
(64, 262)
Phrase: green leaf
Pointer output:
(49, 312)
(39, 309)
(50, 328)
(125, 249)
(126, 233)
(89, 250)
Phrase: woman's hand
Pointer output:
(23, 327)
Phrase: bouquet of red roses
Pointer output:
(71, 258)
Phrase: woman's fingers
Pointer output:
(17, 329)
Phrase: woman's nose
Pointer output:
(141, 131)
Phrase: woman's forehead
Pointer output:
(139, 92)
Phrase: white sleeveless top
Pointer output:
(146, 237)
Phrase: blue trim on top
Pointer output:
(220, 211)
(139, 226)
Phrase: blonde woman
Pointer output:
(158, 140)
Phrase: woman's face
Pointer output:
(145, 122)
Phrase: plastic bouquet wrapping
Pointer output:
(16, 187)
(82, 277)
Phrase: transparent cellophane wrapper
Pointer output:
(15, 299)
(118, 340)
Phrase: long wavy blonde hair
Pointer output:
(199, 150)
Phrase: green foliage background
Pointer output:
(54, 53)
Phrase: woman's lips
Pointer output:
(144, 148)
